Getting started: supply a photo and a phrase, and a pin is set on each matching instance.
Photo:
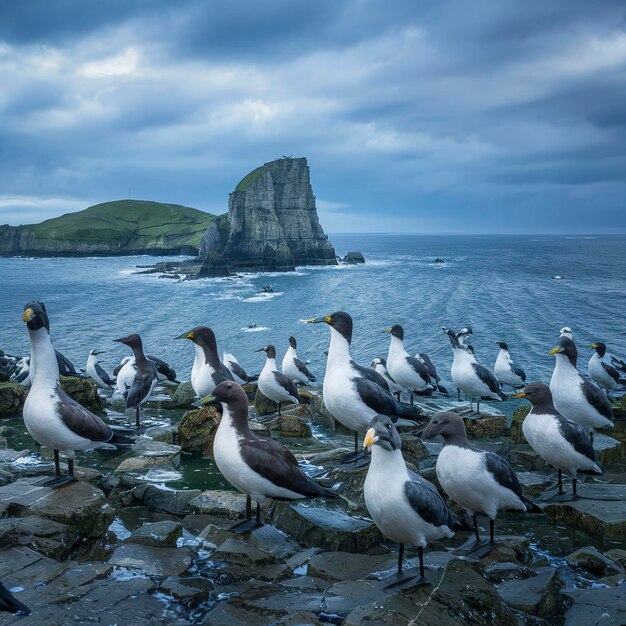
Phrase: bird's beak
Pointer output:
(387, 330)
(260, 350)
(594, 345)
(206, 401)
(99, 351)
(319, 320)
(188, 335)
(119, 340)
(28, 315)
(370, 438)
(555, 350)
(521, 394)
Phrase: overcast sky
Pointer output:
(466, 116)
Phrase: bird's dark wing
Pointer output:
(104, 376)
(238, 370)
(221, 374)
(286, 383)
(22, 377)
(66, 367)
(502, 472)
(618, 363)
(427, 503)
(81, 421)
(419, 368)
(276, 463)
(303, 369)
(432, 370)
(163, 368)
(487, 377)
(141, 387)
(117, 369)
(611, 371)
(370, 374)
(375, 397)
(577, 436)
(518, 371)
(597, 399)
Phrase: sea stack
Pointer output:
(272, 224)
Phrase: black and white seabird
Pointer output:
(473, 379)
(207, 371)
(10, 604)
(505, 370)
(97, 372)
(574, 397)
(145, 377)
(66, 367)
(354, 394)
(164, 370)
(464, 334)
(405, 369)
(380, 365)
(435, 379)
(240, 375)
(294, 367)
(22, 372)
(405, 507)
(52, 418)
(560, 442)
(274, 384)
(604, 374)
(566, 331)
(479, 481)
(257, 466)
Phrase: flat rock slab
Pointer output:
(336, 566)
(152, 561)
(191, 590)
(148, 453)
(228, 504)
(171, 501)
(328, 529)
(597, 606)
(608, 449)
(535, 595)
(80, 505)
(163, 534)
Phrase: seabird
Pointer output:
(240, 375)
(405, 507)
(207, 371)
(273, 384)
(605, 375)
(66, 367)
(463, 334)
(95, 371)
(505, 370)
(164, 370)
(354, 394)
(380, 365)
(405, 369)
(9, 604)
(145, 377)
(257, 466)
(470, 377)
(560, 442)
(22, 375)
(435, 380)
(294, 367)
(574, 397)
(52, 418)
(479, 481)
(566, 331)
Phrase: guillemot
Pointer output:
(145, 376)
(604, 374)
(477, 480)
(53, 419)
(435, 379)
(404, 506)
(407, 371)
(257, 466)
(96, 371)
(574, 397)
(560, 442)
(207, 371)
(293, 367)
(234, 367)
(274, 384)
(380, 365)
(505, 370)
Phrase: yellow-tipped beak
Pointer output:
(387, 330)
(554, 350)
(319, 320)
(521, 394)
(594, 345)
(188, 335)
(28, 315)
(370, 438)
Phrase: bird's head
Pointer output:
(269, 350)
(395, 331)
(447, 425)
(536, 393)
(292, 342)
(599, 347)
(132, 341)
(35, 316)
(503, 345)
(566, 348)
(227, 394)
(200, 335)
(382, 433)
(340, 321)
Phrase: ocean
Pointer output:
(501, 286)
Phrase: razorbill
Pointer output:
(53, 419)
(354, 394)
(470, 377)
(380, 365)
(96, 371)
(435, 379)
(481, 482)
(405, 369)
(405, 507)
(274, 384)
(239, 374)
(145, 375)
(560, 442)
(604, 374)
(574, 397)
(207, 371)
(257, 466)
(294, 367)
(9, 604)
(505, 370)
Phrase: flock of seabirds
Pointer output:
(407, 508)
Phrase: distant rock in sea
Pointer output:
(354, 257)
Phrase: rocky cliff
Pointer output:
(272, 224)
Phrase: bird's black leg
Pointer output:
(58, 480)
(258, 514)
(560, 479)
(137, 416)
(475, 548)
(358, 458)
(356, 441)
(492, 537)
(400, 558)
(408, 579)
(397, 394)
(475, 520)
(574, 483)
(279, 413)
(478, 405)
(458, 394)
(248, 524)
(411, 398)
(57, 463)
(560, 495)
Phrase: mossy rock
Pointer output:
(196, 430)
(84, 391)
(486, 426)
(12, 397)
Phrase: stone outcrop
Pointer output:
(272, 224)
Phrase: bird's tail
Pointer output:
(10, 604)
(458, 523)
(121, 438)
(312, 378)
(442, 389)
(531, 507)
(412, 413)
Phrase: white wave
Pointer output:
(255, 330)
(263, 297)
